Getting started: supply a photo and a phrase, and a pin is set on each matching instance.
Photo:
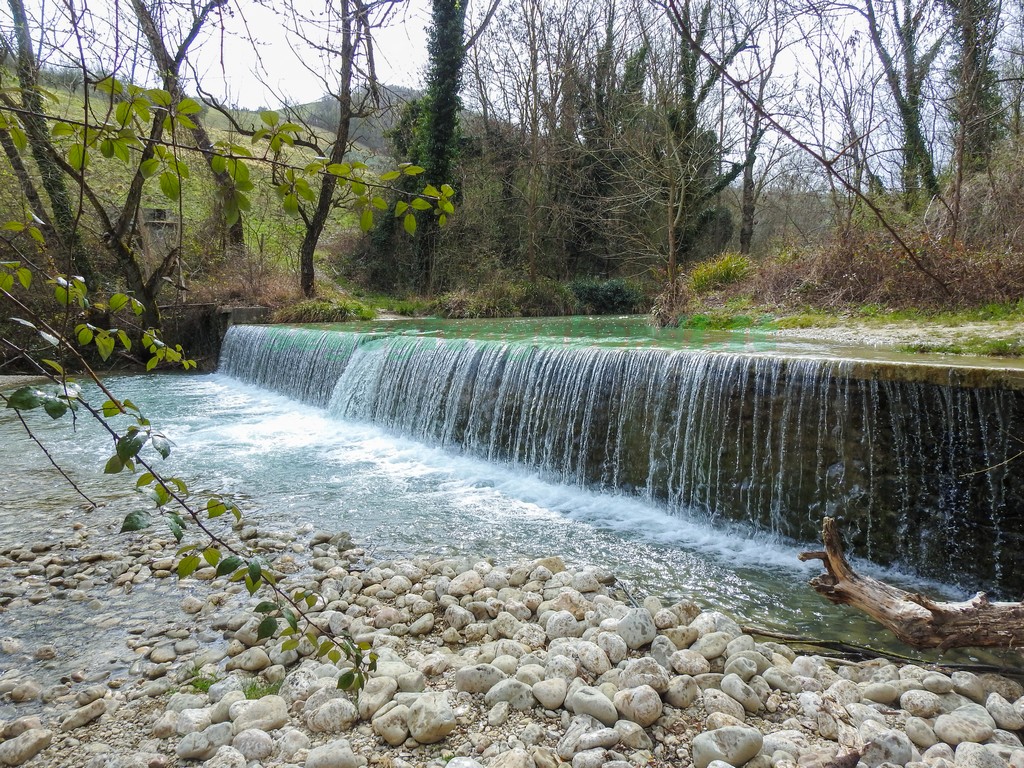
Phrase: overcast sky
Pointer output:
(230, 68)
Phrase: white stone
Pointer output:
(266, 714)
(254, 744)
(734, 745)
(641, 705)
(25, 746)
(430, 718)
(333, 754)
(465, 583)
(550, 693)
(478, 678)
(591, 701)
(637, 628)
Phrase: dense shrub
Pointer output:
(324, 311)
(716, 273)
(608, 297)
(543, 298)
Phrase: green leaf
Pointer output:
(129, 445)
(266, 607)
(379, 203)
(291, 205)
(170, 185)
(421, 205)
(347, 679)
(24, 277)
(107, 148)
(84, 333)
(149, 167)
(229, 565)
(215, 508)
(189, 107)
(26, 398)
(125, 341)
(270, 117)
(413, 170)
(77, 157)
(117, 302)
(55, 407)
(289, 645)
(110, 408)
(211, 555)
(145, 479)
(431, 191)
(267, 628)
(161, 445)
(401, 207)
(188, 566)
(293, 622)
(366, 219)
(113, 465)
(136, 521)
(255, 571)
(390, 175)
(447, 190)
(60, 130)
(409, 223)
(55, 365)
(442, 220)
(176, 530)
(105, 345)
(159, 97)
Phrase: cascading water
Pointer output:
(771, 441)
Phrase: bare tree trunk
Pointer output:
(915, 619)
(316, 222)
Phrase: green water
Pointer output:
(637, 331)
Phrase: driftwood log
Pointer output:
(915, 619)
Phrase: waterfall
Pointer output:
(297, 362)
(770, 441)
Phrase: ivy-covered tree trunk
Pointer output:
(906, 70)
(437, 142)
(51, 175)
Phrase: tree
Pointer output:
(976, 105)
(36, 134)
(685, 154)
(169, 66)
(437, 131)
(902, 34)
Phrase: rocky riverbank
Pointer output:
(525, 665)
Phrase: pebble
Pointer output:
(485, 666)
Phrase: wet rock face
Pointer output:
(488, 685)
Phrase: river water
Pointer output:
(289, 464)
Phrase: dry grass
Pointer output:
(867, 269)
